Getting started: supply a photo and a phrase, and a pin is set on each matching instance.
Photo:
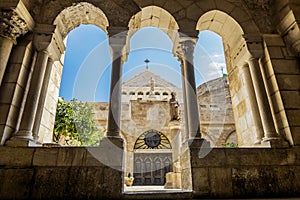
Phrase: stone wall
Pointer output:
(246, 173)
(77, 173)
(215, 111)
(57, 173)
(281, 73)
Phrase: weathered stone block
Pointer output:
(45, 157)
(186, 179)
(15, 183)
(50, 182)
(206, 6)
(10, 156)
(71, 157)
(110, 176)
(251, 182)
(272, 156)
(293, 117)
(241, 157)
(214, 157)
(275, 52)
(91, 159)
(220, 182)
(96, 156)
(288, 82)
(273, 40)
(200, 177)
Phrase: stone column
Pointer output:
(26, 126)
(6, 45)
(117, 43)
(253, 103)
(42, 38)
(262, 101)
(42, 99)
(183, 78)
(187, 46)
(14, 83)
(11, 27)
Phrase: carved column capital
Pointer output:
(15, 20)
(43, 35)
(185, 48)
(254, 44)
(12, 25)
(117, 40)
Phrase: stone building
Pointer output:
(146, 108)
(261, 44)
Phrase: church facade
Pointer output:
(146, 111)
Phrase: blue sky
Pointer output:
(87, 63)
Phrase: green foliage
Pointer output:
(74, 124)
(230, 145)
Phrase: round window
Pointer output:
(152, 139)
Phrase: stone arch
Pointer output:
(224, 137)
(118, 12)
(67, 20)
(156, 17)
(81, 13)
(235, 41)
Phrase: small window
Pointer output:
(132, 93)
(124, 93)
(157, 93)
(140, 93)
(165, 94)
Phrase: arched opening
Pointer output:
(78, 70)
(152, 159)
(152, 111)
(213, 95)
(240, 91)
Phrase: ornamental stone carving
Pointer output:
(11, 25)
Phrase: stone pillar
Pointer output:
(253, 103)
(117, 43)
(191, 104)
(42, 38)
(6, 45)
(11, 27)
(262, 101)
(42, 99)
(184, 96)
(14, 83)
(26, 127)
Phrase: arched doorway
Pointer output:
(152, 158)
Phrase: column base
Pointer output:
(21, 141)
(267, 139)
(257, 142)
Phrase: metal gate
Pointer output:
(151, 168)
